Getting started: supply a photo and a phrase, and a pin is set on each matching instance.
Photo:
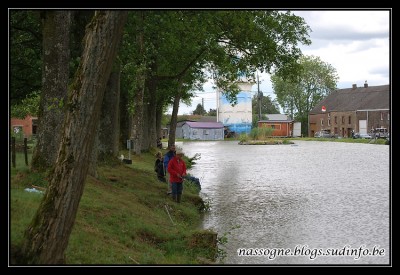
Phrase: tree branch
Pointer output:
(183, 72)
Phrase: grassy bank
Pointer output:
(125, 217)
(347, 140)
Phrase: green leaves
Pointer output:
(25, 54)
(28, 106)
(298, 93)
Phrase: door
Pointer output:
(362, 126)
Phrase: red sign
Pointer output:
(323, 109)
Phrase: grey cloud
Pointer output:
(382, 71)
(341, 34)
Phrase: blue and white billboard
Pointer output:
(239, 117)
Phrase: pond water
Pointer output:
(309, 200)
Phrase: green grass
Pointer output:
(125, 217)
(20, 162)
(348, 140)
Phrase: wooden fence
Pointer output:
(14, 149)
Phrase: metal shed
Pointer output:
(203, 130)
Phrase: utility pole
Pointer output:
(217, 100)
(259, 97)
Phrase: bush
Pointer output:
(261, 133)
(243, 137)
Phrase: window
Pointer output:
(34, 126)
(329, 122)
(349, 119)
(275, 126)
(34, 129)
(329, 114)
(335, 119)
(342, 119)
(206, 132)
(381, 115)
(322, 122)
(388, 116)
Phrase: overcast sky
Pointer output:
(355, 43)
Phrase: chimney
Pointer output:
(365, 84)
(354, 86)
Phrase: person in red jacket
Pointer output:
(177, 171)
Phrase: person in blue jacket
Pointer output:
(167, 157)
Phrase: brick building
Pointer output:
(358, 108)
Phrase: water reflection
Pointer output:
(313, 195)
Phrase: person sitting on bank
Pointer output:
(159, 143)
(177, 171)
(159, 167)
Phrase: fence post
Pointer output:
(26, 150)
(13, 151)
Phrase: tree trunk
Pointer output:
(159, 113)
(125, 119)
(46, 238)
(151, 113)
(174, 120)
(109, 120)
(137, 119)
(145, 138)
(56, 57)
(92, 170)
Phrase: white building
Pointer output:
(239, 117)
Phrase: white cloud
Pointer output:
(356, 43)
(347, 25)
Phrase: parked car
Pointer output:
(364, 136)
(381, 132)
(322, 134)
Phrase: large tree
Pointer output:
(48, 234)
(199, 110)
(55, 76)
(109, 120)
(107, 140)
(298, 95)
(265, 103)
